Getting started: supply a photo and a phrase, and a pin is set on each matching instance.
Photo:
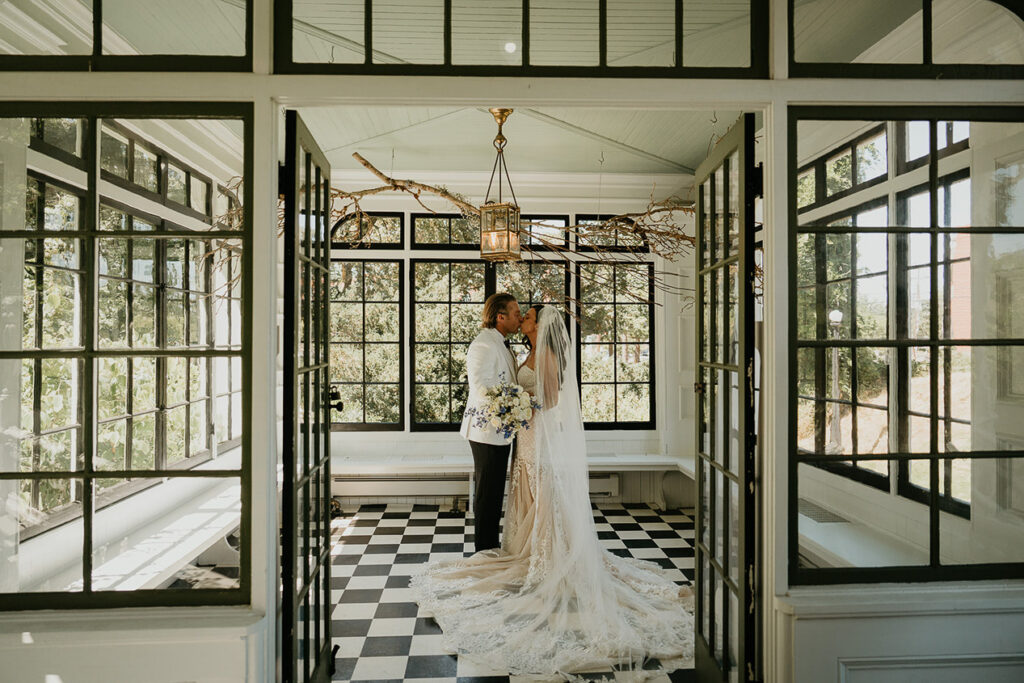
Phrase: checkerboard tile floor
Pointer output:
(378, 628)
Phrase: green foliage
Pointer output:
(839, 173)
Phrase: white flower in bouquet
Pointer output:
(507, 408)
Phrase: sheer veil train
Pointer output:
(553, 599)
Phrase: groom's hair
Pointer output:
(495, 304)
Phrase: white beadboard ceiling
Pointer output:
(549, 140)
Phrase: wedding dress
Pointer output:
(553, 600)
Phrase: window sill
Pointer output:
(144, 620)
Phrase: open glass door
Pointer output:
(305, 498)
(726, 542)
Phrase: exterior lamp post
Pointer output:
(835, 443)
(499, 220)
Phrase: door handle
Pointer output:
(335, 400)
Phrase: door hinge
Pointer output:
(756, 184)
(699, 387)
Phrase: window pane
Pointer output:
(564, 33)
(838, 173)
(716, 33)
(976, 33)
(192, 27)
(327, 32)
(64, 134)
(871, 158)
(199, 190)
(176, 184)
(871, 33)
(33, 507)
(598, 402)
(642, 34)
(409, 31)
(805, 188)
(114, 153)
(147, 170)
(150, 553)
(487, 32)
(839, 524)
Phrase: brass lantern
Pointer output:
(499, 220)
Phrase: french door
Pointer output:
(305, 610)
(727, 613)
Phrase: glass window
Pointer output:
(154, 27)
(62, 134)
(176, 184)
(114, 153)
(906, 349)
(615, 344)
(545, 232)
(602, 233)
(532, 282)
(366, 343)
(146, 172)
(951, 137)
(448, 230)
(375, 229)
(448, 299)
(111, 338)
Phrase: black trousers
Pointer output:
(490, 464)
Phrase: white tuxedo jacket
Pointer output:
(488, 363)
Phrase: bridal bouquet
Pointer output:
(507, 408)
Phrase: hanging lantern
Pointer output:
(499, 220)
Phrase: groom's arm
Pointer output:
(481, 370)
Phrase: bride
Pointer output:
(553, 599)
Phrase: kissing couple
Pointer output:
(548, 599)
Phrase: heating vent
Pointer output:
(818, 513)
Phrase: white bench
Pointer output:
(409, 475)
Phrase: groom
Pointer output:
(490, 362)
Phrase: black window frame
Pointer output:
(821, 196)
(758, 61)
(92, 496)
(97, 61)
(904, 165)
(925, 69)
(651, 383)
(643, 248)
(38, 142)
(364, 426)
(933, 569)
(454, 424)
(848, 469)
(525, 239)
(904, 486)
(441, 246)
(340, 244)
(518, 343)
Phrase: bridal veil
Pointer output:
(563, 603)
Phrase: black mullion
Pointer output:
(90, 308)
(447, 32)
(525, 47)
(615, 343)
(367, 33)
(820, 274)
(926, 28)
(450, 382)
(933, 333)
(854, 413)
(679, 33)
(37, 364)
(362, 279)
(602, 32)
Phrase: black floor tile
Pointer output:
(431, 666)
(381, 548)
(426, 626)
(343, 668)
(411, 558)
(386, 646)
(339, 560)
(396, 610)
(347, 628)
(372, 570)
(361, 595)
(397, 582)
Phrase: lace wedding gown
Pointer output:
(552, 600)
